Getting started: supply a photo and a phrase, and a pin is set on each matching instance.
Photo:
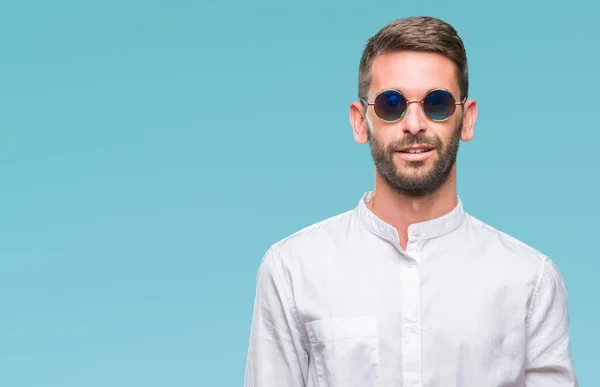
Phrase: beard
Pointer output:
(415, 178)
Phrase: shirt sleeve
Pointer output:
(276, 354)
(549, 361)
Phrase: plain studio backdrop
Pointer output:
(151, 151)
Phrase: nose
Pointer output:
(414, 118)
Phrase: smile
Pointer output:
(415, 154)
(415, 150)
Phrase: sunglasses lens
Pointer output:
(390, 105)
(439, 105)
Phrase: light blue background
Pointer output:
(151, 151)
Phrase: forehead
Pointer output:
(413, 73)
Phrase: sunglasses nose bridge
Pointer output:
(408, 103)
(414, 121)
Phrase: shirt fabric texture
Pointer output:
(341, 304)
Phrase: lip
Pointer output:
(416, 156)
(416, 146)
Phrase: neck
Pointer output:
(401, 211)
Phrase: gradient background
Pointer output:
(151, 151)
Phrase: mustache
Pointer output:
(419, 139)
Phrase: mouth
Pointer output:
(416, 149)
(416, 153)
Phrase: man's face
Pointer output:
(414, 75)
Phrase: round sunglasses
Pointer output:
(390, 105)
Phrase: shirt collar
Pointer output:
(422, 230)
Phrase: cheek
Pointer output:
(386, 134)
(378, 137)
(450, 133)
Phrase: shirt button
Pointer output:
(416, 233)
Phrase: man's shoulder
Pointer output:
(506, 246)
(317, 232)
(311, 241)
(302, 250)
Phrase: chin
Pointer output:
(414, 167)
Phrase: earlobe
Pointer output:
(357, 121)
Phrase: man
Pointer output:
(407, 289)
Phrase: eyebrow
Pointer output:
(400, 90)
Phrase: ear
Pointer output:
(469, 118)
(357, 120)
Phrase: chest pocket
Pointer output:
(346, 351)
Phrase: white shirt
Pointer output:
(341, 304)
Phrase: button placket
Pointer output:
(411, 311)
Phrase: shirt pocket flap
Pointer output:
(341, 328)
(346, 351)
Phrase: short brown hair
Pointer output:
(421, 34)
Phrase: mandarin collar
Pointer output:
(422, 230)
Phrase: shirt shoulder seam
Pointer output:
(288, 294)
(536, 289)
